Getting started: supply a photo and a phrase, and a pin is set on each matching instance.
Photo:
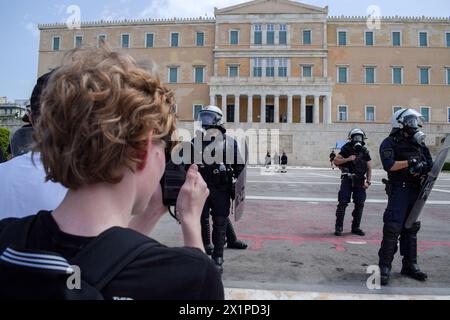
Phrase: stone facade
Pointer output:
(286, 65)
(283, 61)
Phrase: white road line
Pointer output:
(304, 182)
(440, 190)
(328, 200)
(321, 175)
(294, 182)
(250, 294)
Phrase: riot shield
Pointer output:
(429, 184)
(240, 194)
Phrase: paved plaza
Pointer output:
(289, 225)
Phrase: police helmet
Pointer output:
(355, 132)
(407, 118)
(211, 117)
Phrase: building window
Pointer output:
(397, 75)
(424, 74)
(257, 67)
(342, 113)
(448, 75)
(423, 39)
(258, 34)
(234, 37)
(233, 71)
(196, 110)
(395, 109)
(283, 35)
(307, 71)
(199, 74)
(396, 38)
(342, 38)
(173, 75)
(448, 114)
(342, 74)
(174, 39)
(370, 113)
(283, 67)
(307, 37)
(200, 39)
(149, 40)
(270, 68)
(270, 34)
(101, 40)
(426, 113)
(78, 41)
(125, 41)
(447, 39)
(370, 75)
(369, 38)
(56, 46)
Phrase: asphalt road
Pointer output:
(289, 224)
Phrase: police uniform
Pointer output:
(219, 178)
(352, 184)
(403, 190)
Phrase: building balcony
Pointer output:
(271, 86)
(270, 81)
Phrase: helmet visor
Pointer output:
(208, 118)
(413, 121)
(358, 138)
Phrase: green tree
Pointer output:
(4, 140)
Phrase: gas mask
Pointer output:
(419, 137)
(358, 142)
(412, 129)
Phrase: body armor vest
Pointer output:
(405, 150)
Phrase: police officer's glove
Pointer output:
(418, 167)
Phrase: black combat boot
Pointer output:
(389, 247)
(357, 216)
(408, 249)
(340, 215)
(232, 240)
(206, 236)
(218, 238)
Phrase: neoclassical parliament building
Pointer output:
(280, 61)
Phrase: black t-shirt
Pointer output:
(348, 150)
(160, 273)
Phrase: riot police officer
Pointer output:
(219, 176)
(231, 238)
(355, 163)
(407, 161)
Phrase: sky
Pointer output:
(20, 36)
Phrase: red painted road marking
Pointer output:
(339, 243)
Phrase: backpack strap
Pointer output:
(15, 231)
(111, 252)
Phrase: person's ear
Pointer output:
(143, 155)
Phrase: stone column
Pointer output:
(289, 109)
(224, 107)
(277, 109)
(237, 108)
(250, 109)
(327, 110)
(212, 100)
(303, 109)
(316, 109)
(263, 109)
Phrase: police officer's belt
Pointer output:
(405, 184)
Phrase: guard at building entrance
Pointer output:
(355, 163)
(407, 161)
(220, 177)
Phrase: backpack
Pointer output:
(37, 275)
